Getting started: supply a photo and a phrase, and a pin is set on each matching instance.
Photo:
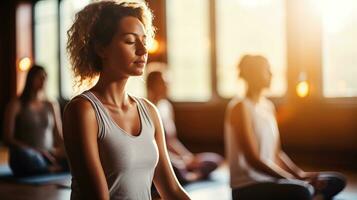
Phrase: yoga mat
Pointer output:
(6, 175)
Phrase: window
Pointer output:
(68, 9)
(188, 49)
(46, 42)
(339, 47)
(250, 27)
(189, 45)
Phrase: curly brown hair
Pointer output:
(96, 24)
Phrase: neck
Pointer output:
(154, 98)
(36, 95)
(254, 94)
(112, 92)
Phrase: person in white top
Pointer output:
(115, 142)
(259, 168)
(189, 167)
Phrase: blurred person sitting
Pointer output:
(32, 129)
(259, 168)
(188, 167)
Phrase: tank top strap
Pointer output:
(99, 111)
(144, 112)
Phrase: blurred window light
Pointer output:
(339, 47)
(153, 46)
(68, 9)
(46, 46)
(46, 42)
(250, 27)
(188, 51)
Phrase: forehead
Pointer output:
(131, 24)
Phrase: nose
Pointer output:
(141, 49)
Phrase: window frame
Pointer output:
(292, 69)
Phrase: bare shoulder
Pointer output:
(150, 106)
(15, 102)
(270, 104)
(14, 105)
(236, 111)
(154, 113)
(78, 115)
(78, 107)
(53, 104)
(235, 106)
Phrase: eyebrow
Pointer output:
(135, 34)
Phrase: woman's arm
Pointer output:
(241, 122)
(57, 130)
(12, 109)
(174, 145)
(164, 177)
(80, 131)
(283, 160)
(286, 163)
(55, 109)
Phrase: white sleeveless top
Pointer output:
(266, 132)
(167, 115)
(128, 161)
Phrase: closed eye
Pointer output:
(130, 42)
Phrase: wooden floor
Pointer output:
(216, 189)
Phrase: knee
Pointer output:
(336, 179)
(304, 192)
(340, 180)
(301, 189)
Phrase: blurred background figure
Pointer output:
(188, 166)
(32, 129)
(258, 166)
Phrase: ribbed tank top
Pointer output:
(265, 130)
(35, 127)
(128, 161)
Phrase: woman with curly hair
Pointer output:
(114, 141)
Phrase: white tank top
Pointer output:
(128, 161)
(266, 132)
(167, 115)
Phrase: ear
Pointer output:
(100, 50)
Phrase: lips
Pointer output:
(140, 62)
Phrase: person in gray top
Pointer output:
(114, 141)
(32, 129)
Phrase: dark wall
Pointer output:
(7, 55)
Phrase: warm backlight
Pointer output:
(302, 89)
(153, 47)
(25, 64)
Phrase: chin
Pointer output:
(138, 73)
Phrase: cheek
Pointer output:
(126, 51)
(122, 54)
